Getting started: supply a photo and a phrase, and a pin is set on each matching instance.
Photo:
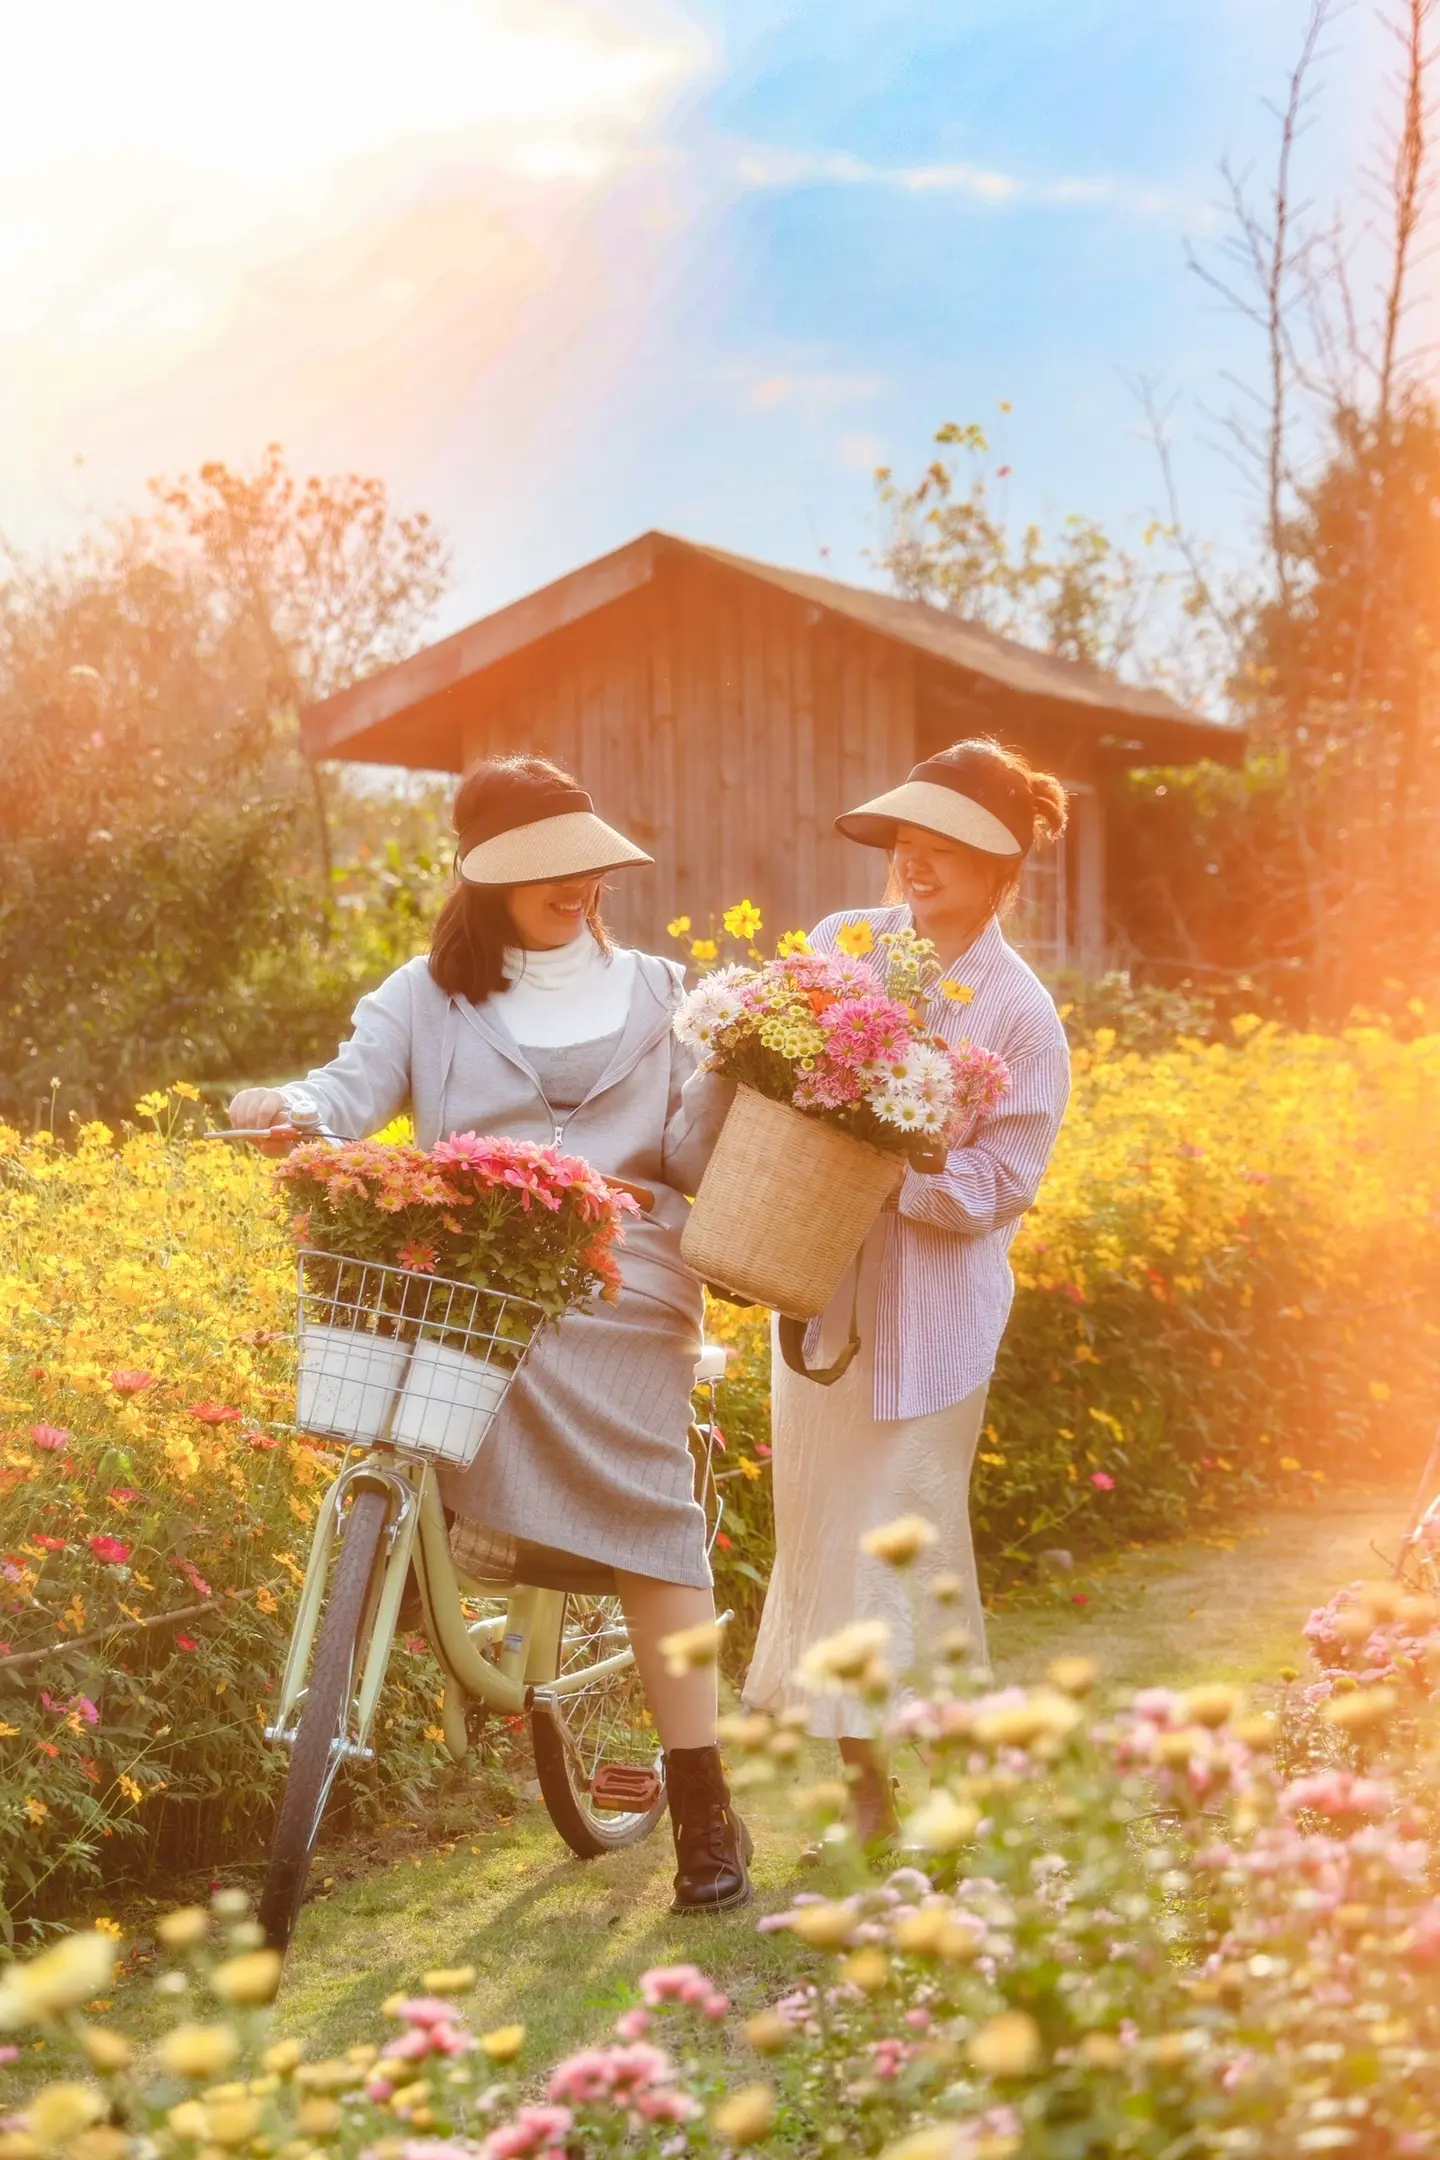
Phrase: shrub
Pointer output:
(1222, 1295)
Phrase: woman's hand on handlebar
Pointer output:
(260, 1110)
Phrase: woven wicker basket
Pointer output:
(784, 1206)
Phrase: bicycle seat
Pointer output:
(711, 1363)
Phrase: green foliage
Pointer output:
(169, 896)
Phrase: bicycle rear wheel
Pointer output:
(317, 1758)
(597, 1758)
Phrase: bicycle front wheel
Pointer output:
(323, 1717)
(597, 1758)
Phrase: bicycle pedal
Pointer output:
(625, 1788)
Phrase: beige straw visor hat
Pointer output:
(973, 798)
(553, 835)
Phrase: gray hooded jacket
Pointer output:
(651, 1118)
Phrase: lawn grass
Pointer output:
(557, 1942)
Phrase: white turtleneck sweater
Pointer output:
(571, 994)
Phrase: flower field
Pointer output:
(1146, 1924)
(1231, 1286)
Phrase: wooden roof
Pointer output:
(407, 714)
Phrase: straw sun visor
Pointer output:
(573, 843)
(934, 808)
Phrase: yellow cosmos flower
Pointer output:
(742, 920)
(855, 940)
(957, 993)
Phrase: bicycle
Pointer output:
(558, 1657)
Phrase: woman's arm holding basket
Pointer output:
(698, 1103)
(995, 1177)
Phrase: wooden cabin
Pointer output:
(722, 712)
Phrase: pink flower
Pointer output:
(633, 2024)
(124, 1494)
(210, 1413)
(110, 1550)
(674, 1983)
(540, 2131)
(1102, 1481)
(193, 1576)
(131, 1383)
(52, 1437)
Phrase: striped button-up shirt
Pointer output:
(945, 1285)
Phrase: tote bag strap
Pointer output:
(792, 1343)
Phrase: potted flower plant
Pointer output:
(840, 1083)
(426, 1274)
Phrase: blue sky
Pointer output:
(566, 271)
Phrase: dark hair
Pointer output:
(1048, 805)
(467, 949)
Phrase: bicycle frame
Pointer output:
(528, 1632)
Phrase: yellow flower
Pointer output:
(957, 993)
(944, 1823)
(856, 939)
(688, 1649)
(1007, 2046)
(704, 948)
(112, 1928)
(249, 1980)
(768, 2032)
(747, 2116)
(74, 1972)
(108, 2051)
(59, 2113)
(900, 1543)
(185, 1091)
(281, 2059)
(504, 2044)
(794, 941)
(449, 1980)
(234, 2122)
(678, 928)
(846, 1655)
(742, 920)
(868, 1970)
(184, 1928)
(824, 1927)
(199, 2052)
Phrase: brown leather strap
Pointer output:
(792, 1343)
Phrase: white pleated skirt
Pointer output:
(839, 1472)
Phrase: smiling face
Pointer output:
(547, 916)
(949, 888)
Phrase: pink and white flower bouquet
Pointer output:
(844, 1038)
(500, 1215)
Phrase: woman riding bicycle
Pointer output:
(525, 1020)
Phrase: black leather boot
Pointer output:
(712, 1845)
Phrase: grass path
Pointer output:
(558, 1942)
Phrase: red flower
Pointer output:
(124, 1494)
(262, 1442)
(420, 1259)
(186, 1642)
(48, 1544)
(131, 1383)
(193, 1576)
(1102, 1481)
(722, 1541)
(90, 1768)
(1079, 1598)
(210, 1413)
(53, 1437)
(110, 1550)
(46, 1747)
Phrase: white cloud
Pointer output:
(862, 453)
(762, 168)
(813, 388)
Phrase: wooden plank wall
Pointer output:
(723, 724)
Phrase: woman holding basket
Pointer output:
(896, 1433)
(526, 1020)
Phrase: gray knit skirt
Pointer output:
(590, 1454)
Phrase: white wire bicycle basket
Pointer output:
(415, 1362)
